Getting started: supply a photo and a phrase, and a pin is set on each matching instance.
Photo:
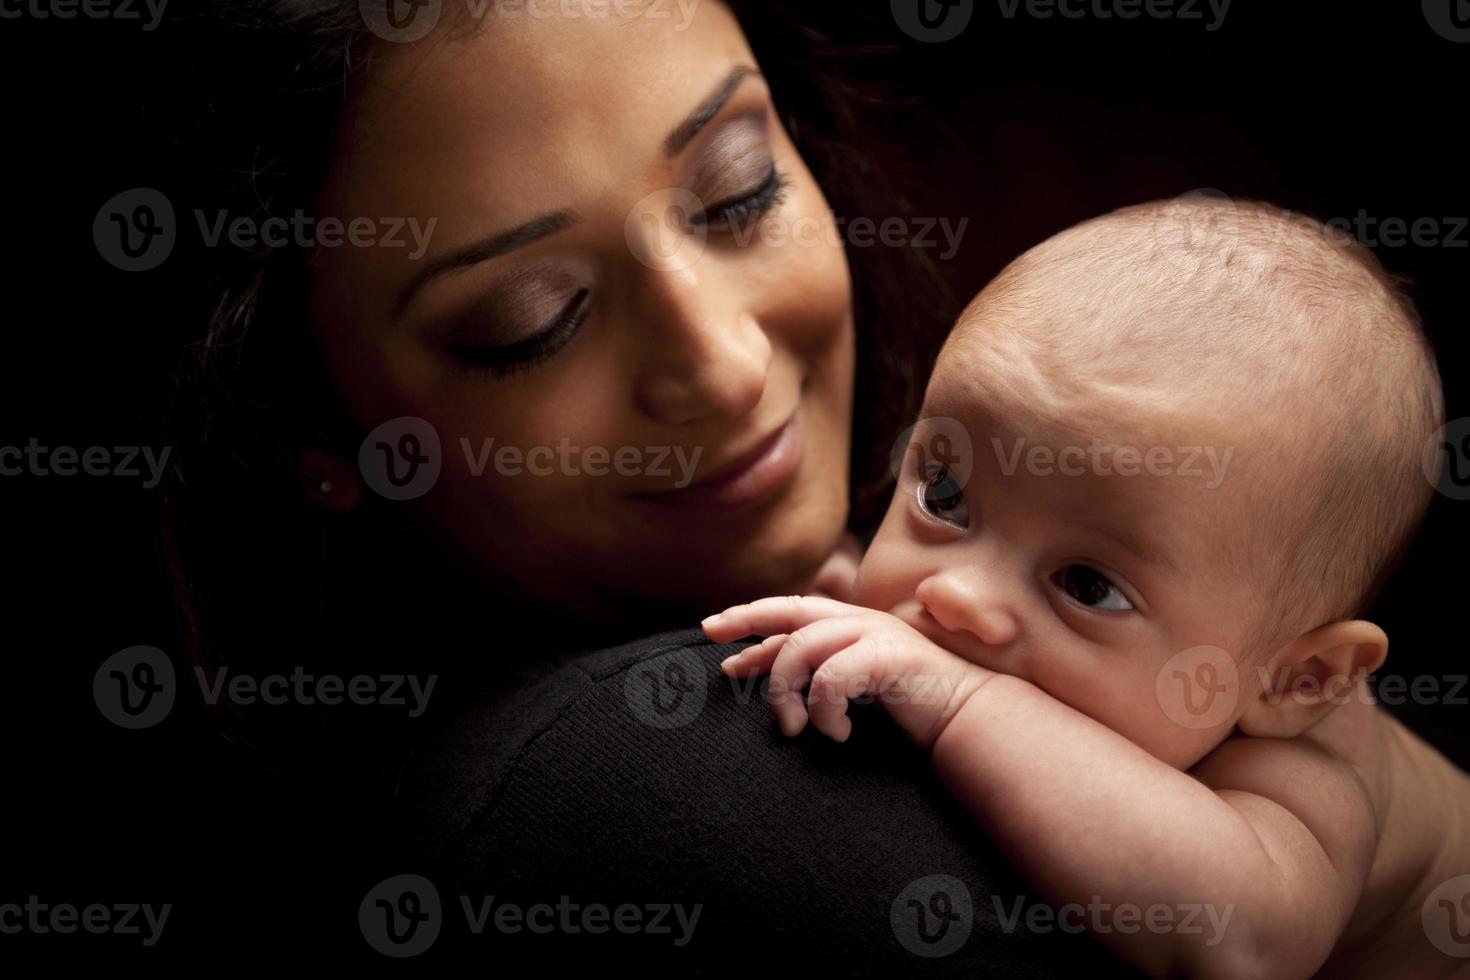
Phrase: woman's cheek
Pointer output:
(801, 267)
(815, 272)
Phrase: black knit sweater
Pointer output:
(643, 778)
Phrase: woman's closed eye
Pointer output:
(505, 359)
(534, 292)
(749, 205)
(737, 173)
(1088, 587)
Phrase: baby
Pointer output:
(1165, 460)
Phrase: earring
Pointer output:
(321, 566)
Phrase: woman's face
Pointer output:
(631, 328)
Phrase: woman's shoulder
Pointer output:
(644, 773)
(517, 723)
(489, 728)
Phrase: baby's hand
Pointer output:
(846, 651)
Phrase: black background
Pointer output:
(1023, 125)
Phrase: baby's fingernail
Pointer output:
(729, 661)
(709, 621)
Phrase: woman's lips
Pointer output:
(748, 479)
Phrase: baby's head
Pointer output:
(1174, 446)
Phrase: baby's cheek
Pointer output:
(868, 588)
(892, 567)
(1124, 697)
(1174, 731)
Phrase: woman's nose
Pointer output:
(704, 355)
(963, 601)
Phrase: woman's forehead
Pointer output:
(494, 113)
(523, 76)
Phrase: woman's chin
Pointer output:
(779, 565)
(696, 585)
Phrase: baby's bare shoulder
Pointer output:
(1316, 785)
(1271, 765)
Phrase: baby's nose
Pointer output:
(961, 603)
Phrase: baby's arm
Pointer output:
(1276, 834)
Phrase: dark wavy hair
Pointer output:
(262, 85)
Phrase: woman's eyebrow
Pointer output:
(685, 132)
(553, 222)
(486, 249)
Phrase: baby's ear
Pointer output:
(1311, 675)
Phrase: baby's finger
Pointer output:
(777, 614)
(914, 681)
(834, 685)
(754, 660)
(801, 654)
(872, 665)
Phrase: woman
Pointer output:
(632, 251)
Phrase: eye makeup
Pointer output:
(528, 316)
(749, 206)
(521, 320)
(737, 173)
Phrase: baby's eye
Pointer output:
(940, 495)
(1091, 588)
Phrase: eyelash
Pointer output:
(507, 360)
(1110, 580)
(754, 203)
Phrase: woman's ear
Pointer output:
(328, 482)
(1313, 674)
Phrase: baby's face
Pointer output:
(1086, 562)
